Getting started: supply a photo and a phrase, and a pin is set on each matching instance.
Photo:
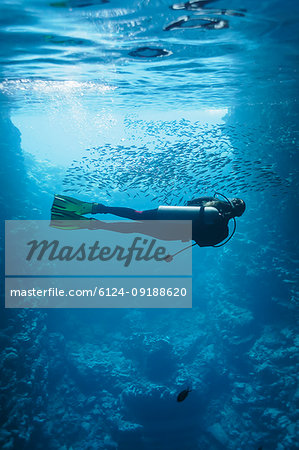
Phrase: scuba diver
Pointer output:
(210, 216)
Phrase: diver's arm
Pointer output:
(210, 241)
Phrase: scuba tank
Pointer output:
(207, 215)
(178, 212)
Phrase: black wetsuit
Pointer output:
(126, 213)
(202, 234)
(206, 235)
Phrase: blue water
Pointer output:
(128, 104)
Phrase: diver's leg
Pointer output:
(127, 213)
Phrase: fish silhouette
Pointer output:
(182, 395)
